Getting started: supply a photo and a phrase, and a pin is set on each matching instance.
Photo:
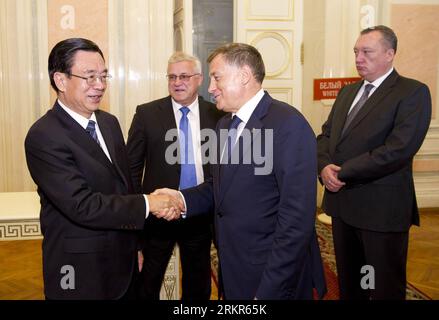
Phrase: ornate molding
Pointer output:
(285, 10)
(286, 51)
(20, 230)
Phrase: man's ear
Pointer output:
(60, 81)
(390, 54)
(246, 75)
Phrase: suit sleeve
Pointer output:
(295, 171)
(410, 125)
(323, 157)
(199, 200)
(137, 149)
(54, 169)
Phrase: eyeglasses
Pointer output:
(181, 77)
(93, 79)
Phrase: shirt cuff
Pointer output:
(183, 213)
(146, 206)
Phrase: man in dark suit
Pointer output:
(147, 146)
(264, 210)
(365, 155)
(76, 156)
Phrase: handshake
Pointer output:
(166, 203)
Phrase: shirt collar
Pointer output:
(380, 80)
(192, 107)
(83, 121)
(245, 112)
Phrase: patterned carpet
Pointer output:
(327, 250)
(324, 235)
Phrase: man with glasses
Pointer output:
(184, 110)
(76, 155)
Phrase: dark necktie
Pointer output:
(188, 176)
(233, 131)
(355, 109)
(91, 129)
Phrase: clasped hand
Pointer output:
(166, 204)
(330, 179)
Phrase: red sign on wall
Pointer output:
(328, 88)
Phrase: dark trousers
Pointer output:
(357, 250)
(135, 290)
(194, 245)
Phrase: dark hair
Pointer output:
(241, 54)
(62, 55)
(389, 36)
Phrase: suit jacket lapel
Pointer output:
(78, 135)
(204, 124)
(109, 142)
(339, 121)
(167, 121)
(223, 124)
(166, 114)
(254, 126)
(381, 92)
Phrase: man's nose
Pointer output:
(212, 87)
(100, 84)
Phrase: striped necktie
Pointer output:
(355, 109)
(91, 129)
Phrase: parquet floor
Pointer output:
(21, 271)
(423, 255)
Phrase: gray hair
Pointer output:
(180, 56)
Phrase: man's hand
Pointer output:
(165, 206)
(330, 179)
(173, 193)
(140, 260)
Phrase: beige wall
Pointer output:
(78, 19)
(136, 54)
(417, 24)
(330, 31)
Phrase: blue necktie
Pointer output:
(188, 176)
(231, 138)
(91, 129)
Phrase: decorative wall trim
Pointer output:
(287, 52)
(20, 230)
(282, 14)
(282, 94)
(171, 283)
